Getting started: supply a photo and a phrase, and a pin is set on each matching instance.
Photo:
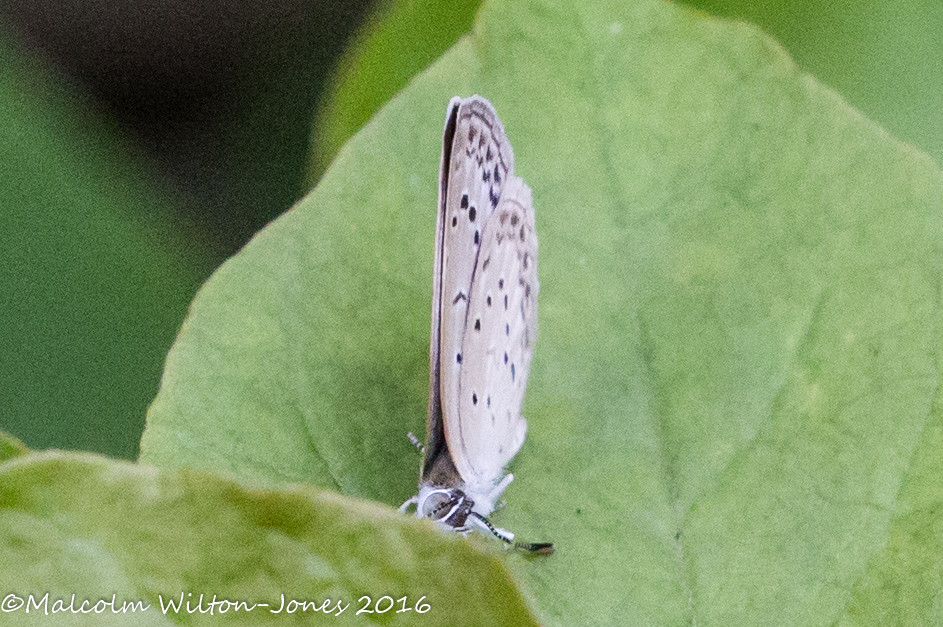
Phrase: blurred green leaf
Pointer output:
(96, 274)
(10, 447)
(84, 525)
(400, 38)
(733, 416)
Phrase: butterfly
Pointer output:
(484, 314)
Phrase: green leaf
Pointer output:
(733, 404)
(881, 56)
(83, 525)
(400, 38)
(94, 282)
(10, 447)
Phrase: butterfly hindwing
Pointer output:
(498, 342)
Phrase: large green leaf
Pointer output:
(882, 56)
(76, 524)
(732, 407)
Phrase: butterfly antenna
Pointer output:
(416, 442)
(542, 548)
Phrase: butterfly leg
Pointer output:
(416, 442)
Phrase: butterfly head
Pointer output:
(446, 506)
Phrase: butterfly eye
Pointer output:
(447, 506)
(437, 505)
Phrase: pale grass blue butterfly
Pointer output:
(484, 315)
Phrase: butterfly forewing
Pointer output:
(475, 168)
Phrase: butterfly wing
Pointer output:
(498, 343)
(477, 160)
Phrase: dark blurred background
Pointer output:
(142, 143)
(145, 142)
(220, 93)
